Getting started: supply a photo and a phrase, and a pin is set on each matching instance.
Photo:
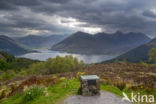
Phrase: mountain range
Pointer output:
(101, 43)
(11, 46)
(137, 54)
(33, 41)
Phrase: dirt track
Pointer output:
(104, 98)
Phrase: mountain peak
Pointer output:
(80, 33)
(100, 43)
(32, 36)
(118, 32)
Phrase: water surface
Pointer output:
(45, 54)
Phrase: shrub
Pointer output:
(33, 92)
(79, 74)
(125, 60)
(152, 55)
(116, 61)
(121, 85)
(3, 65)
(7, 75)
(144, 63)
(22, 72)
(36, 68)
(79, 92)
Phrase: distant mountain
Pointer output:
(11, 46)
(138, 54)
(33, 41)
(101, 43)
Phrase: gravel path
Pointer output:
(104, 98)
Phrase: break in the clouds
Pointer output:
(46, 17)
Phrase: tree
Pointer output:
(152, 55)
(3, 65)
(57, 65)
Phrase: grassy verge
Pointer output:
(128, 91)
(53, 94)
(59, 91)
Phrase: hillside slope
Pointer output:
(138, 54)
(101, 43)
(115, 78)
(11, 46)
(9, 62)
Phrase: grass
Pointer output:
(54, 93)
(111, 88)
(128, 91)
(61, 90)
(115, 90)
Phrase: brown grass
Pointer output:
(19, 86)
(119, 74)
(129, 73)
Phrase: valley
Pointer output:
(43, 55)
(51, 76)
(77, 51)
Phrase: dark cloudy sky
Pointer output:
(45, 17)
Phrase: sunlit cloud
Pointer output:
(80, 26)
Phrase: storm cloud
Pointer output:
(46, 17)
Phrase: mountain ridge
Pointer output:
(101, 43)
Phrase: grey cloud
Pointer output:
(110, 15)
(15, 25)
(13, 4)
(5, 5)
(149, 13)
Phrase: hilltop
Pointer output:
(101, 43)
